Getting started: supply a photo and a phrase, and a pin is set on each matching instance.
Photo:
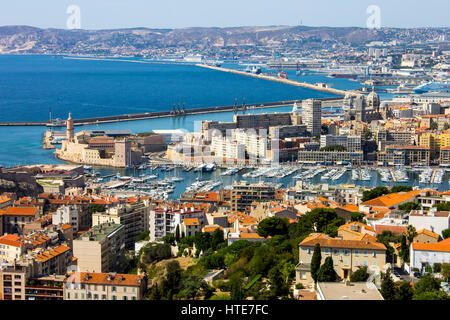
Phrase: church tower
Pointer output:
(69, 128)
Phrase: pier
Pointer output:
(165, 114)
(282, 80)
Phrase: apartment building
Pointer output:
(312, 116)
(350, 143)
(355, 158)
(243, 194)
(432, 220)
(15, 218)
(348, 255)
(405, 155)
(134, 217)
(101, 249)
(423, 254)
(104, 286)
(163, 221)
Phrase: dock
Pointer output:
(282, 80)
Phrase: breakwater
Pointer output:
(164, 114)
(282, 80)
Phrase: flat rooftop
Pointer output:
(99, 232)
(342, 291)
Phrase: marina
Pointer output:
(170, 184)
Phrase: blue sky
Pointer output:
(102, 14)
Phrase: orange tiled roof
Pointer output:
(326, 241)
(47, 255)
(105, 278)
(20, 211)
(391, 199)
(428, 233)
(250, 235)
(442, 246)
(211, 229)
(11, 240)
(191, 222)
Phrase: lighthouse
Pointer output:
(69, 128)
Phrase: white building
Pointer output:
(423, 254)
(67, 215)
(432, 220)
(312, 116)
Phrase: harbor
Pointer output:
(171, 181)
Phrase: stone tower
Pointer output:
(69, 128)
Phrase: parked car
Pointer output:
(417, 274)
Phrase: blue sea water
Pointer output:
(32, 85)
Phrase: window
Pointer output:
(365, 253)
(303, 275)
(335, 251)
(124, 289)
(103, 296)
(365, 262)
(133, 298)
(95, 296)
(68, 295)
(356, 252)
(308, 250)
(82, 296)
(114, 297)
(327, 251)
(114, 289)
(374, 254)
(356, 263)
(125, 298)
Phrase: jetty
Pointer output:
(165, 114)
(318, 87)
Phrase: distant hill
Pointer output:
(25, 39)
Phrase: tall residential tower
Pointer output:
(312, 116)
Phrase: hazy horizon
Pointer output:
(178, 14)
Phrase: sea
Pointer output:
(37, 87)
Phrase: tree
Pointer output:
(217, 238)
(193, 286)
(443, 206)
(427, 284)
(409, 206)
(374, 193)
(202, 241)
(169, 239)
(433, 125)
(171, 284)
(357, 216)
(387, 286)
(410, 233)
(237, 292)
(445, 271)
(404, 249)
(273, 226)
(400, 188)
(434, 295)
(96, 207)
(143, 236)
(155, 252)
(333, 148)
(446, 233)
(404, 292)
(278, 287)
(315, 262)
(326, 271)
(360, 275)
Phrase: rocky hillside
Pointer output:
(31, 40)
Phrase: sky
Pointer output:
(110, 14)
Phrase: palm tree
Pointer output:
(410, 233)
